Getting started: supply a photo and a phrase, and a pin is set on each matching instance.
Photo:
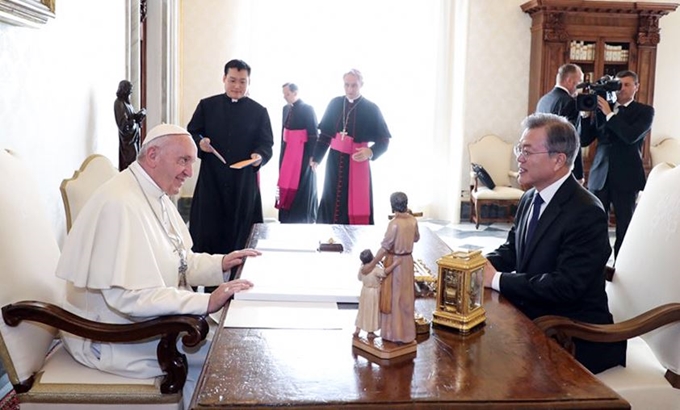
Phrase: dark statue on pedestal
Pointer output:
(129, 125)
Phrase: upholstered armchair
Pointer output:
(500, 199)
(644, 296)
(75, 191)
(667, 150)
(43, 373)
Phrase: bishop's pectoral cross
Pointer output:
(183, 268)
(343, 134)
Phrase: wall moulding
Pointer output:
(26, 13)
(604, 7)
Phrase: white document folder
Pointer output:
(255, 314)
(282, 245)
(302, 277)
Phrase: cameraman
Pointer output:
(561, 101)
(617, 174)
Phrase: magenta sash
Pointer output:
(359, 189)
(289, 174)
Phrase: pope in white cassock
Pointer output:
(128, 258)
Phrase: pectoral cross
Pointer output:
(183, 267)
(343, 134)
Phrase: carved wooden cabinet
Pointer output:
(602, 37)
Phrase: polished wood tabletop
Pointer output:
(507, 363)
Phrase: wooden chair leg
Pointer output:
(472, 210)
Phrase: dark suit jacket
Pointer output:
(619, 147)
(561, 272)
(558, 101)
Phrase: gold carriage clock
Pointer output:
(460, 290)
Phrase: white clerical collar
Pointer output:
(138, 170)
(351, 101)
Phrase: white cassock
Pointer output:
(122, 267)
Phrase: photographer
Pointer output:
(561, 101)
(617, 174)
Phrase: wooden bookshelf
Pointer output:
(602, 37)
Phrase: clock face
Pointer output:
(459, 295)
(451, 296)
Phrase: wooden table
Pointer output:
(506, 364)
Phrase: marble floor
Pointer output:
(488, 237)
(464, 235)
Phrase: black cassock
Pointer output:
(226, 201)
(365, 123)
(301, 116)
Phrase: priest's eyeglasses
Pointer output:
(523, 152)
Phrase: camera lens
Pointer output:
(586, 102)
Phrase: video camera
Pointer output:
(605, 87)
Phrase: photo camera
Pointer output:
(605, 87)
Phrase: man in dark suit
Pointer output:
(617, 174)
(554, 258)
(561, 101)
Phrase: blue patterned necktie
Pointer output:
(538, 201)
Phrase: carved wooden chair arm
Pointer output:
(167, 327)
(561, 328)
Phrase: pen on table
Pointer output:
(214, 151)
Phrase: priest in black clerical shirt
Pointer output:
(227, 201)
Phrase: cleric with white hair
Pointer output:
(128, 257)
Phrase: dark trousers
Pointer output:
(623, 201)
(598, 357)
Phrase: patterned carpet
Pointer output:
(9, 399)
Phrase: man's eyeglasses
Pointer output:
(520, 151)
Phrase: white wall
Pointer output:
(162, 78)
(667, 81)
(496, 94)
(208, 39)
(58, 84)
(497, 73)
(281, 48)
